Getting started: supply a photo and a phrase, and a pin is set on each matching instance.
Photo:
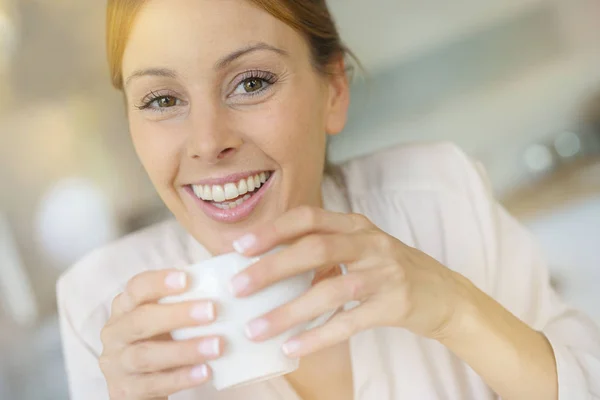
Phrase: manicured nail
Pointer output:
(176, 280)
(203, 312)
(292, 347)
(239, 284)
(244, 243)
(210, 347)
(257, 328)
(199, 373)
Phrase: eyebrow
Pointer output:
(162, 72)
(260, 46)
(222, 63)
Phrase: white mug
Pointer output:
(244, 361)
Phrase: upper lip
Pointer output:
(233, 178)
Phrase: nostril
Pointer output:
(226, 152)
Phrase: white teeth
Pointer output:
(218, 193)
(207, 193)
(242, 187)
(231, 191)
(198, 191)
(251, 185)
(232, 204)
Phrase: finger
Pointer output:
(297, 223)
(309, 253)
(151, 320)
(147, 357)
(341, 328)
(328, 273)
(324, 297)
(165, 384)
(149, 286)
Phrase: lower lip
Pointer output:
(236, 214)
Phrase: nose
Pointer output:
(212, 138)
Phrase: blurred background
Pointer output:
(516, 83)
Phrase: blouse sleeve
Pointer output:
(519, 280)
(85, 378)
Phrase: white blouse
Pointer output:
(429, 196)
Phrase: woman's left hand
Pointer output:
(395, 285)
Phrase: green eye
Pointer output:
(157, 102)
(253, 85)
(166, 102)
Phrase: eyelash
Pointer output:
(268, 77)
(265, 76)
(151, 98)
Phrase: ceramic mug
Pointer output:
(244, 361)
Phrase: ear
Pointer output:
(339, 97)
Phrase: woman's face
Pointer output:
(227, 114)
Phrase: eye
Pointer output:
(251, 85)
(159, 102)
(166, 102)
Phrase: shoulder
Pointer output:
(94, 281)
(438, 167)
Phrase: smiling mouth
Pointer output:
(234, 194)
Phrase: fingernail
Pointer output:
(199, 373)
(244, 243)
(292, 347)
(176, 280)
(210, 347)
(203, 312)
(239, 284)
(257, 328)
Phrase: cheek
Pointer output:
(292, 128)
(158, 149)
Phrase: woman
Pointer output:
(230, 103)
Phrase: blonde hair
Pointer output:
(309, 17)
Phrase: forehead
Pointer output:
(172, 32)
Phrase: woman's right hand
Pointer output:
(140, 361)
